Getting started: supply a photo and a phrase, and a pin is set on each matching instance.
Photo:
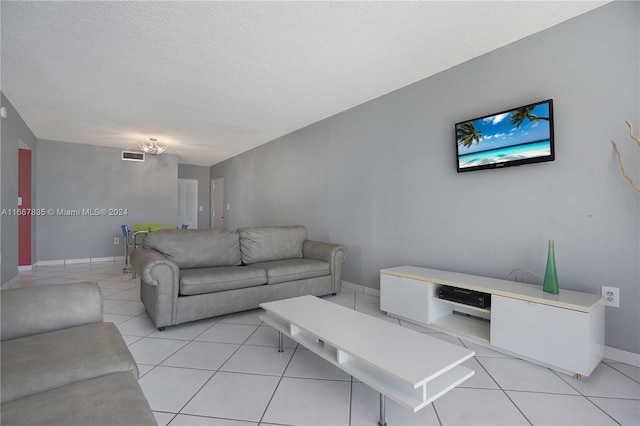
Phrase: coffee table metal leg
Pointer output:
(383, 420)
(280, 341)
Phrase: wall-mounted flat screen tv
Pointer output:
(513, 137)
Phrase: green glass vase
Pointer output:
(550, 284)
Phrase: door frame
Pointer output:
(195, 203)
(217, 200)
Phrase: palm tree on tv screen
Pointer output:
(524, 113)
(467, 133)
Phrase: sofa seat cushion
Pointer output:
(264, 244)
(222, 278)
(280, 271)
(48, 360)
(196, 248)
(111, 400)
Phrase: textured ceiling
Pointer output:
(214, 79)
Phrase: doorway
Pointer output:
(24, 203)
(217, 202)
(188, 203)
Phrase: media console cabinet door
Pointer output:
(404, 297)
(552, 335)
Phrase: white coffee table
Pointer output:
(411, 368)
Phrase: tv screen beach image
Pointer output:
(519, 134)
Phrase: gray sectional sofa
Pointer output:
(62, 365)
(193, 274)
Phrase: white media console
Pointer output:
(562, 331)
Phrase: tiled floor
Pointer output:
(227, 371)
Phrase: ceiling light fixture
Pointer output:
(152, 147)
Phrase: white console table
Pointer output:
(562, 331)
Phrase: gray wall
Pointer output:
(77, 176)
(381, 179)
(201, 174)
(13, 130)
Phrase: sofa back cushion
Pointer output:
(263, 244)
(196, 248)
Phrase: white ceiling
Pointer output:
(214, 79)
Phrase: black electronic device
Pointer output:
(466, 297)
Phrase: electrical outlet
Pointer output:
(116, 240)
(611, 296)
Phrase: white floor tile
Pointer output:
(516, 374)
(309, 402)
(553, 409)
(251, 317)
(447, 338)
(266, 335)
(476, 407)
(227, 333)
(186, 420)
(605, 381)
(483, 351)
(630, 371)
(624, 411)
(128, 295)
(387, 318)
(306, 364)
(370, 309)
(367, 298)
(233, 396)
(127, 308)
(365, 410)
(144, 369)
(116, 319)
(163, 419)
(201, 355)
(137, 326)
(169, 389)
(416, 327)
(481, 379)
(258, 360)
(108, 292)
(110, 304)
(153, 351)
(344, 298)
(186, 331)
(113, 286)
(130, 339)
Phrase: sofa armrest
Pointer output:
(324, 251)
(34, 310)
(335, 254)
(146, 262)
(160, 284)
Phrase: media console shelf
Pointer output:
(562, 331)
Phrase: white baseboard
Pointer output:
(102, 259)
(49, 262)
(619, 355)
(25, 268)
(361, 289)
(73, 261)
(78, 261)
